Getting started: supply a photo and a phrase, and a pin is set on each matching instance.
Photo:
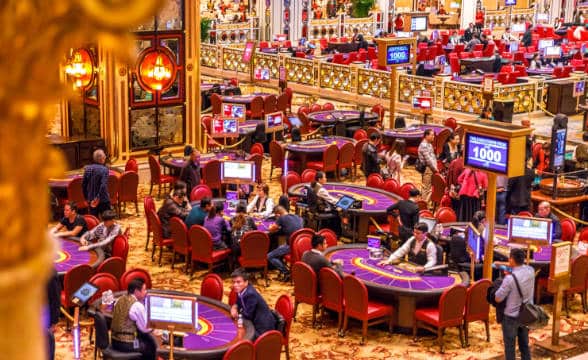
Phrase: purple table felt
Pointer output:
(178, 163)
(542, 71)
(69, 256)
(330, 117)
(242, 99)
(62, 183)
(317, 146)
(261, 223)
(413, 132)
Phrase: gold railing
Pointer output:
(270, 61)
(366, 26)
(300, 71)
(498, 17)
(336, 76)
(209, 55)
(462, 97)
(521, 15)
(323, 28)
(231, 60)
(522, 94)
(373, 82)
(411, 85)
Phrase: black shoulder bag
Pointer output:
(530, 315)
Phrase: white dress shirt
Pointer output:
(138, 314)
(405, 249)
(269, 206)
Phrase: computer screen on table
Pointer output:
(475, 242)
(84, 293)
(231, 110)
(164, 310)
(345, 202)
(552, 51)
(225, 127)
(418, 23)
(529, 230)
(274, 121)
(238, 171)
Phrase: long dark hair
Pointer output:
(216, 209)
(317, 177)
(478, 217)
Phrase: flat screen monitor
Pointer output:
(518, 28)
(225, 127)
(345, 202)
(552, 52)
(543, 43)
(486, 153)
(418, 23)
(431, 223)
(164, 310)
(398, 54)
(261, 74)
(84, 293)
(281, 37)
(422, 103)
(513, 46)
(475, 243)
(274, 121)
(238, 172)
(542, 17)
(232, 199)
(373, 242)
(230, 110)
(529, 230)
(510, 2)
(295, 121)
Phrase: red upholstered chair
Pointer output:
(76, 194)
(263, 45)
(328, 106)
(73, 279)
(131, 274)
(404, 190)
(113, 265)
(303, 110)
(360, 134)
(568, 229)
(375, 181)
(256, 111)
(439, 188)
(282, 103)
(345, 160)
(305, 288)
(216, 101)
(277, 157)
(300, 54)
(557, 72)
(199, 192)
(445, 215)
(308, 175)
(157, 178)
(201, 244)
(329, 235)
(489, 50)
(158, 239)
(315, 108)
(212, 287)
(241, 350)
(478, 47)
(268, 346)
(578, 282)
(292, 178)
(91, 221)
(338, 58)
(132, 165)
(525, 214)
(304, 232)
(104, 282)
(254, 248)
(426, 213)
(256, 148)
(450, 313)
(329, 161)
(258, 160)
(379, 109)
(331, 292)
(270, 104)
(284, 307)
(120, 247)
(476, 307)
(288, 91)
(211, 175)
(128, 185)
(148, 204)
(450, 123)
(358, 306)
(113, 190)
(477, 54)
(180, 243)
(583, 235)
(358, 155)
(232, 297)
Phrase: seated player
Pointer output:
(198, 213)
(315, 258)
(251, 305)
(72, 222)
(240, 224)
(172, 206)
(544, 211)
(129, 322)
(285, 225)
(217, 226)
(102, 235)
(262, 204)
(419, 248)
(326, 202)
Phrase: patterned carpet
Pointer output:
(323, 342)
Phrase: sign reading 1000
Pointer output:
(487, 153)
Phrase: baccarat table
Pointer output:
(307, 150)
(411, 133)
(176, 164)
(216, 330)
(399, 285)
(69, 256)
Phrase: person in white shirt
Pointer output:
(419, 248)
(102, 235)
(535, 63)
(262, 204)
(578, 32)
(507, 36)
(317, 186)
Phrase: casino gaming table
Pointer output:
(60, 184)
(243, 99)
(262, 224)
(69, 256)
(374, 204)
(396, 284)
(216, 331)
(411, 135)
(175, 165)
(342, 119)
(486, 64)
(303, 150)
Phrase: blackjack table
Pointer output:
(309, 150)
(215, 332)
(243, 99)
(69, 256)
(331, 117)
(175, 165)
(412, 134)
(374, 204)
(400, 285)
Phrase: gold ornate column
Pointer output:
(193, 100)
(35, 36)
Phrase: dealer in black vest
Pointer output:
(419, 248)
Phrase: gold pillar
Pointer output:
(35, 37)
(193, 95)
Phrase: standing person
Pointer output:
(468, 33)
(395, 159)
(129, 322)
(95, 184)
(370, 161)
(473, 184)
(479, 19)
(527, 37)
(451, 149)
(398, 23)
(358, 39)
(251, 305)
(408, 213)
(517, 288)
(190, 173)
(102, 235)
(454, 169)
(198, 213)
(519, 192)
(172, 206)
(501, 192)
(426, 156)
(51, 311)
(507, 36)
(74, 223)
(262, 204)
(217, 226)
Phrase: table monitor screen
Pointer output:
(373, 242)
(164, 310)
(84, 293)
(281, 37)
(526, 229)
(274, 121)
(238, 171)
(262, 74)
(418, 23)
(234, 111)
(431, 223)
(422, 103)
(510, 2)
(398, 54)
(543, 43)
(345, 202)
(225, 127)
(232, 199)
(553, 51)
(295, 121)
(518, 28)
(513, 46)
(475, 242)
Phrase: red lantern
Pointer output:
(156, 69)
(80, 68)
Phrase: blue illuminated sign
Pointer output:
(486, 153)
(398, 54)
(559, 148)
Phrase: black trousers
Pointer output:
(147, 346)
(98, 210)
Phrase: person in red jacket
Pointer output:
(480, 19)
(398, 23)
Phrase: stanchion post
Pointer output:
(490, 216)
(170, 328)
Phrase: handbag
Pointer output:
(530, 315)
(420, 166)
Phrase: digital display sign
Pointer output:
(559, 148)
(510, 2)
(486, 153)
(398, 54)
(424, 103)
(579, 88)
(418, 23)
(248, 52)
(225, 127)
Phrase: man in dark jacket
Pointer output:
(519, 192)
(95, 184)
(190, 173)
(172, 206)
(251, 305)
(370, 163)
(527, 37)
(315, 258)
(408, 212)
